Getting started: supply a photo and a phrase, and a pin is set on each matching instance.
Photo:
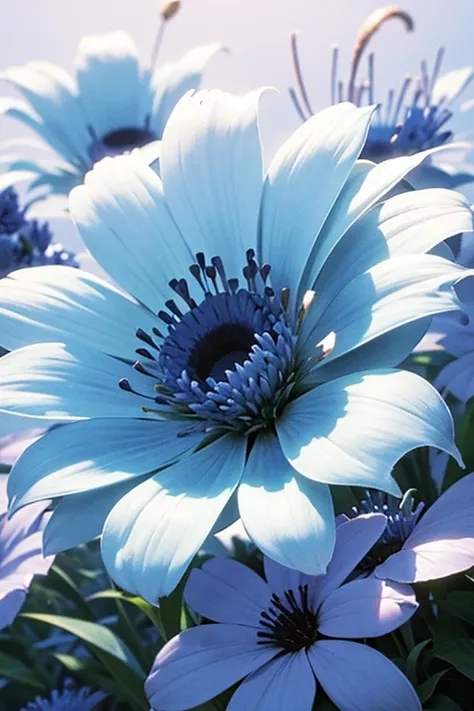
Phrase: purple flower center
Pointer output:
(289, 622)
(120, 141)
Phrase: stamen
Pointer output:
(298, 74)
(334, 63)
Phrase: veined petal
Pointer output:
(152, 534)
(174, 79)
(366, 608)
(94, 454)
(65, 304)
(280, 578)
(354, 429)
(80, 517)
(109, 82)
(125, 223)
(277, 685)
(366, 185)
(442, 542)
(391, 294)
(224, 590)
(11, 601)
(202, 662)
(302, 184)
(371, 681)
(211, 165)
(291, 522)
(51, 381)
(52, 95)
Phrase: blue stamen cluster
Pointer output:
(229, 361)
(70, 699)
(401, 520)
(26, 243)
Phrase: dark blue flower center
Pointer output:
(289, 623)
(401, 520)
(120, 141)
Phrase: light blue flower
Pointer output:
(111, 105)
(413, 120)
(288, 635)
(70, 699)
(25, 242)
(198, 389)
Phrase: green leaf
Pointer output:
(94, 634)
(465, 443)
(459, 604)
(460, 655)
(426, 690)
(444, 703)
(90, 672)
(171, 611)
(412, 661)
(14, 670)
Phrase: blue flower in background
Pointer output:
(70, 699)
(252, 363)
(419, 545)
(25, 242)
(288, 634)
(413, 120)
(21, 554)
(111, 106)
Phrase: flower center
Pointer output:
(289, 622)
(230, 360)
(401, 520)
(120, 141)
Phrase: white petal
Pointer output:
(353, 430)
(152, 534)
(58, 303)
(289, 521)
(211, 165)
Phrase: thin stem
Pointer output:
(157, 43)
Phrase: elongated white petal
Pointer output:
(354, 429)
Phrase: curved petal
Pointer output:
(442, 542)
(353, 430)
(125, 223)
(52, 95)
(152, 534)
(366, 608)
(302, 184)
(224, 590)
(51, 381)
(211, 166)
(457, 378)
(11, 602)
(389, 295)
(94, 454)
(371, 681)
(354, 538)
(276, 686)
(109, 82)
(202, 662)
(174, 79)
(366, 185)
(66, 304)
(79, 518)
(289, 521)
(450, 85)
(406, 224)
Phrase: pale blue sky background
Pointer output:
(256, 32)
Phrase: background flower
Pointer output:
(21, 554)
(111, 106)
(70, 699)
(411, 121)
(282, 634)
